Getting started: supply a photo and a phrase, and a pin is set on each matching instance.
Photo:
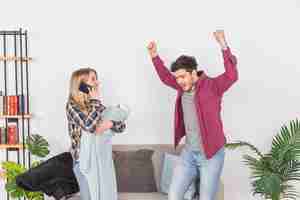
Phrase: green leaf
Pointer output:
(273, 173)
(286, 144)
(13, 190)
(238, 144)
(12, 169)
(37, 145)
(34, 195)
(35, 163)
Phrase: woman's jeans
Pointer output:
(82, 182)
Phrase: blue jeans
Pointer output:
(82, 182)
(194, 164)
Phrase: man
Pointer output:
(198, 117)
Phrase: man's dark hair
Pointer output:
(188, 63)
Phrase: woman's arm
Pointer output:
(89, 121)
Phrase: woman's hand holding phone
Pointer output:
(94, 92)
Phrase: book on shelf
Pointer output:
(13, 104)
(9, 134)
(1, 103)
(12, 133)
(22, 104)
(2, 135)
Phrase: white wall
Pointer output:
(112, 36)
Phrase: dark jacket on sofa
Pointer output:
(55, 177)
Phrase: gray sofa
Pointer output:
(157, 160)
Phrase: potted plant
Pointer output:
(273, 173)
(39, 148)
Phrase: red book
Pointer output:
(15, 105)
(10, 105)
(12, 133)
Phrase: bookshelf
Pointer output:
(11, 146)
(26, 116)
(15, 114)
(14, 58)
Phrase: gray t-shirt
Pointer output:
(193, 136)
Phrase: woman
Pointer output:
(84, 117)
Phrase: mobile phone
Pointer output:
(83, 87)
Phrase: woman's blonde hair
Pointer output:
(75, 95)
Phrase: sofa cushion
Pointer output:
(75, 196)
(157, 158)
(134, 171)
(142, 196)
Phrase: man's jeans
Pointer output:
(194, 164)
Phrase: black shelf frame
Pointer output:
(15, 43)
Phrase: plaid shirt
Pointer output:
(78, 121)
